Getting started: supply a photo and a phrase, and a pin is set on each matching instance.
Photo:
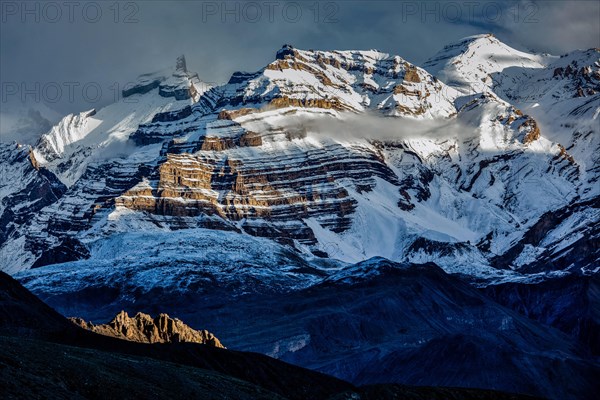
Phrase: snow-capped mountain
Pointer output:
(562, 94)
(267, 205)
(340, 155)
(478, 63)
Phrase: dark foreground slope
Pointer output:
(56, 359)
(33, 369)
(372, 323)
(25, 316)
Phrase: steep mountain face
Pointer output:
(345, 155)
(85, 155)
(561, 93)
(145, 329)
(341, 80)
(25, 189)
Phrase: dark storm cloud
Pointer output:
(85, 45)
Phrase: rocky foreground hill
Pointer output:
(145, 329)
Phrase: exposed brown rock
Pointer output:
(407, 111)
(401, 89)
(368, 87)
(533, 133)
(250, 139)
(583, 79)
(282, 102)
(289, 53)
(301, 66)
(33, 160)
(228, 189)
(232, 114)
(192, 92)
(322, 61)
(145, 329)
(191, 185)
(411, 74)
(211, 143)
(558, 72)
(565, 155)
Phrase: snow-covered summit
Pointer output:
(342, 155)
(79, 140)
(175, 82)
(562, 93)
(70, 129)
(350, 80)
(472, 64)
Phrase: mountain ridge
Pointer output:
(145, 329)
(143, 166)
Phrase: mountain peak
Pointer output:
(480, 36)
(286, 50)
(180, 64)
(350, 80)
(472, 62)
(143, 328)
(178, 83)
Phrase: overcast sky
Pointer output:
(110, 43)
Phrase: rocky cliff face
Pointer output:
(25, 189)
(145, 329)
(340, 80)
(345, 154)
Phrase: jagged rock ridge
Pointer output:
(145, 329)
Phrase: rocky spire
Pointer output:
(286, 50)
(143, 328)
(180, 64)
